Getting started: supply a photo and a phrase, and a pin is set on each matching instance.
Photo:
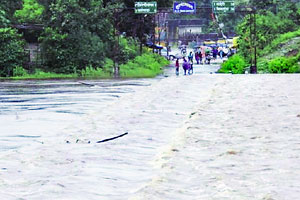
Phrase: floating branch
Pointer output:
(88, 84)
(113, 138)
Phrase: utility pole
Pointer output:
(158, 27)
(141, 22)
(153, 37)
(116, 48)
(167, 37)
(253, 43)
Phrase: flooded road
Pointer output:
(205, 136)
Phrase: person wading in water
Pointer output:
(177, 67)
(185, 65)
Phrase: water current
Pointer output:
(205, 136)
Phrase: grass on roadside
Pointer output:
(144, 66)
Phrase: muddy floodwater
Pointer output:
(204, 136)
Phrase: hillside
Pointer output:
(282, 55)
(286, 49)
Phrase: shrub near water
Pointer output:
(147, 65)
(19, 71)
(235, 64)
(21, 74)
(283, 65)
(90, 72)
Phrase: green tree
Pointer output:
(135, 25)
(30, 13)
(268, 27)
(263, 5)
(77, 27)
(11, 51)
(8, 9)
(78, 34)
(11, 44)
(3, 19)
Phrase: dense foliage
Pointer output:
(30, 13)
(82, 34)
(92, 36)
(11, 51)
(235, 64)
(273, 21)
(147, 65)
(283, 65)
(280, 41)
(79, 36)
(7, 10)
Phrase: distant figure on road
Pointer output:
(185, 65)
(177, 67)
(225, 51)
(191, 56)
(230, 53)
(215, 53)
(203, 54)
(220, 49)
(200, 57)
(197, 57)
(183, 52)
(207, 56)
(191, 70)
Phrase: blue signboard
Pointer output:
(184, 7)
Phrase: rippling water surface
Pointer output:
(204, 136)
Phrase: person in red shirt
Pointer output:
(177, 66)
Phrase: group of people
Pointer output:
(206, 54)
(203, 55)
(187, 65)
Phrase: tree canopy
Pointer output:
(80, 33)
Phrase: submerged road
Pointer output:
(204, 136)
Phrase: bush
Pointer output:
(262, 65)
(235, 64)
(19, 71)
(129, 49)
(12, 52)
(39, 74)
(90, 72)
(283, 65)
(108, 66)
(30, 13)
(147, 65)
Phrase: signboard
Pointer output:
(145, 7)
(184, 7)
(223, 6)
